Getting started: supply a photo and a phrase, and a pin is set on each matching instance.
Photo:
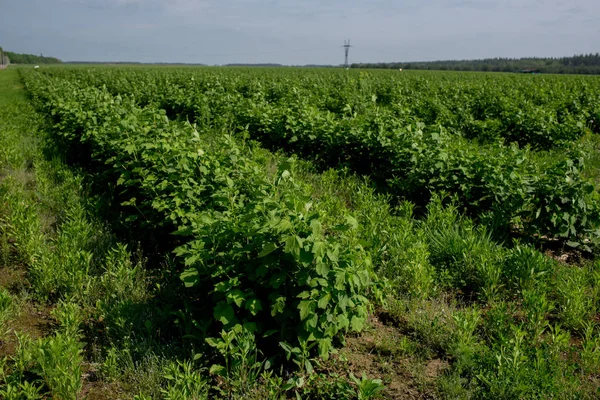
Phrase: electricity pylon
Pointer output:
(346, 47)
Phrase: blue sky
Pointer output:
(298, 32)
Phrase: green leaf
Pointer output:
(190, 277)
(343, 322)
(343, 302)
(218, 370)
(183, 230)
(306, 257)
(316, 227)
(235, 296)
(312, 322)
(253, 305)
(304, 295)
(278, 306)
(323, 269)
(223, 312)
(284, 225)
(351, 222)
(293, 244)
(333, 255)
(308, 366)
(325, 348)
(270, 332)
(319, 249)
(357, 324)
(268, 249)
(323, 301)
(305, 309)
(365, 243)
(225, 286)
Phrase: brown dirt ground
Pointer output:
(405, 376)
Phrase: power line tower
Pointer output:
(346, 47)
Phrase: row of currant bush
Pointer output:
(268, 252)
(505, 187)
(544, 112)
(253, 244)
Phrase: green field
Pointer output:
(190, 233)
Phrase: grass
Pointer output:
(12, 88)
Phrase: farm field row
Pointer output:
(285, 277)
(511, 149)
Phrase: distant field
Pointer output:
(328, 233)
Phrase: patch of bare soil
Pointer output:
(12, 279)
(435, 368)
(96, 389)
(379, 353)
(33, 320)
(30, 318)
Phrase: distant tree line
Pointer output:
(578, 64)
(16, 58)
(102, 62)
(253, 65)
(265, 65)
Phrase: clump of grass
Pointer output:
(6, 311)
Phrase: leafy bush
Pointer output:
(255, 246)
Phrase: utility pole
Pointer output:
(346, 47)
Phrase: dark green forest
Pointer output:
(16, 58)
(578, 64)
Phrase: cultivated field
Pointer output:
(191, 233)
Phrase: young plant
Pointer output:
(368, 388)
